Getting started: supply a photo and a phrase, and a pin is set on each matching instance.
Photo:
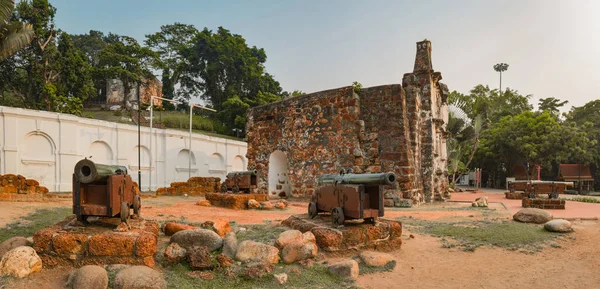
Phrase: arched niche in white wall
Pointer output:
(239, 164)
(38, 158)
(100, 152)
(279, 185)
(144, 153)
(182, 165)
(216, 164)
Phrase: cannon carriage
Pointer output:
(103, 191)
(350, 196)
(534, 188)
(236, 182)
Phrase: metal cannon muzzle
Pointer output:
(373, 179)
(86, 171)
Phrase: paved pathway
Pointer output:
(573, 210)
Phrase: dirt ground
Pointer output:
(421, 263)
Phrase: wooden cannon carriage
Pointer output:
(104, 191)
(244, 181)
(350, 196)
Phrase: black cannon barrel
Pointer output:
(252, 172)
(87, 171)
(378, 178)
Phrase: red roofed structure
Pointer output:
(576, 173)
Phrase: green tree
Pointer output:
(551, 104)
(14, 36)
(74, 71)
(173, 43)
(127, 61)
(224, 67)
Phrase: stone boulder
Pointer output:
(174, 253)
(298, 251)
(172, 228)
(253, 204)
(257, 270)
(250, 251)
(559, 226)
(532, 215)
(230, 245)
(20, 262)
(139, 277)
(266, 206)
(203, 203)
(220, 226)
(12, 243)
(199, 258)
(375, 259)
(90, 277)
(198, 237)
(281, 278)
(480, 202)
(347, 269)
(287, 237)
(280, 206)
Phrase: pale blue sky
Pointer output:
(552, 47)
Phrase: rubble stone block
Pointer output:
(112, 245)
(145, 245)
(65, 244)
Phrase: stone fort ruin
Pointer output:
(399, 128)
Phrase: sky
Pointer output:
(552, 47)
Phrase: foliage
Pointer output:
(551, 104)
(126, 60)
(14, 36)
(356, 86)
(583, 199)
(173, 43)
(60, 103)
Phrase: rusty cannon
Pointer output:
(350, 196)
(103, 191)
(244, 181)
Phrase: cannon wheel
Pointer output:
(553, 195)
(370, 220)
(337, 216)
(223, 188)
(235, 189)
(137, 205)
(312, 210)
(124, 212)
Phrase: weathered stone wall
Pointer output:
(17, 188)
(115, 91)
(195, 186)
(398, 128)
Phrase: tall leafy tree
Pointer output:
(127, 61)
(173, 43)
(14, 36)
(227, 67)
(551, 104)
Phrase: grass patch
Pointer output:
(364, 269)
(583, 200)
(474, 234)
(315, 277)
(28, 225)
(260, 233)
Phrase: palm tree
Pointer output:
(14, 36)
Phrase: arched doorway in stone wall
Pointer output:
(238, 164)
(182, 171)
(279, 184)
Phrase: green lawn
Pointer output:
(27, 226)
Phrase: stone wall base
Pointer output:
(385, 235)
(552, 204)
(514, 195)
(69, 244)
(234, 201)
(195, 186)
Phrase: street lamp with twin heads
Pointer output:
(152, 98)
(500, 67)
(190, 140)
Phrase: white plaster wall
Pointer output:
(45, 146)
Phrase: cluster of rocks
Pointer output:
(539, 216)
(127, 277)
(18, 188)
(195, 186)
(480, 202)
(253, 204)
(350, 268)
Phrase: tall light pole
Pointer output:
(237, 132)
(500, 67)
(190, 138)
(151, 131)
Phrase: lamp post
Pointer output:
(190, 138)
(237, 132)
(500, 67)
(151, 131)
